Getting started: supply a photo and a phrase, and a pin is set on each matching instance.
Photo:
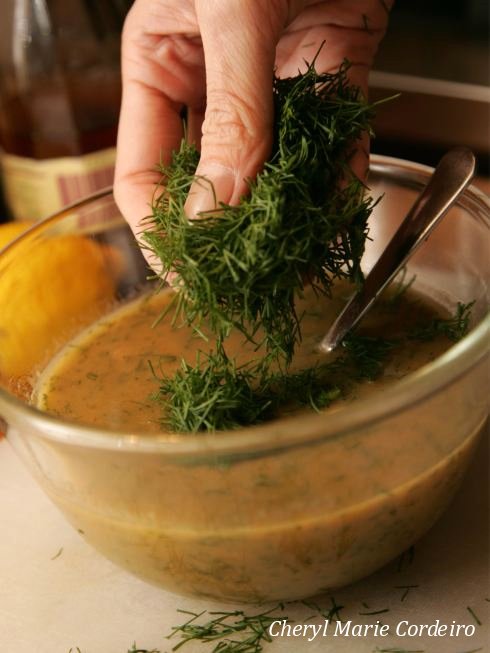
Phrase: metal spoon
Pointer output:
(451, 176)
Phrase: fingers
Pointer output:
(347, 31)
(239, 40)
(149, 128)
(161, 73)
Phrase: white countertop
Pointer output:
(57, 593)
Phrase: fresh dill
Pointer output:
(406, 589)
(406, 558)
(233, 632)
(397, 650)
(374, 612)
(454, 328)
(385, 6)
(327, 613)
(365, 24)
(366, 355)
(217, 394)
(57, 555)
(303, 220)
(334, 611)
(214, 394)
(241, 266)
(399, 288)
(474, 615)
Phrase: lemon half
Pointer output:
(49, 288)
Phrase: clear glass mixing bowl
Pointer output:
(278, 511)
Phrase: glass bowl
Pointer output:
(284, 510)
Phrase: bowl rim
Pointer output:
(283, 433)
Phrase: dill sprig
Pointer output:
(212, 395)
(366, 355)
(400, 286)
(224, 627)
(216, 394)
(396, 649)
(304, 218)
(473, 614)
(327, 613)
(454, 327)
(406, 589)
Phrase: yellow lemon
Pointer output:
(11, 230)
(49, 288)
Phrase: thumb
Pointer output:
(239, 40)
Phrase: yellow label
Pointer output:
(35, 188)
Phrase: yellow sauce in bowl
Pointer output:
(275, 525)
(105, 376)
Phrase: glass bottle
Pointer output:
(60, 93)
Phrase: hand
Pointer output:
(217, 58)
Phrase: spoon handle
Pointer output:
(451, 176)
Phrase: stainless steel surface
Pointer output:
(450, 178)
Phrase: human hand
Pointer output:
(217, 59)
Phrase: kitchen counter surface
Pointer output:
(57, 593)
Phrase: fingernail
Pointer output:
(215, 184)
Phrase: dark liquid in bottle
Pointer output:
(57, 118)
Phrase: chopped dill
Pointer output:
(453, 328)
(234, 631)
(474, 615)
(406, 558)
(57, 555)
(385, 6)
(213, 394)
(329, 614)
(303, 220)
(365, 24)
(397, 650)
(406, 589)
(367, 354)
(334, 612)
(241, 266)
(373, 612)
(216, 394)
(399, 288)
